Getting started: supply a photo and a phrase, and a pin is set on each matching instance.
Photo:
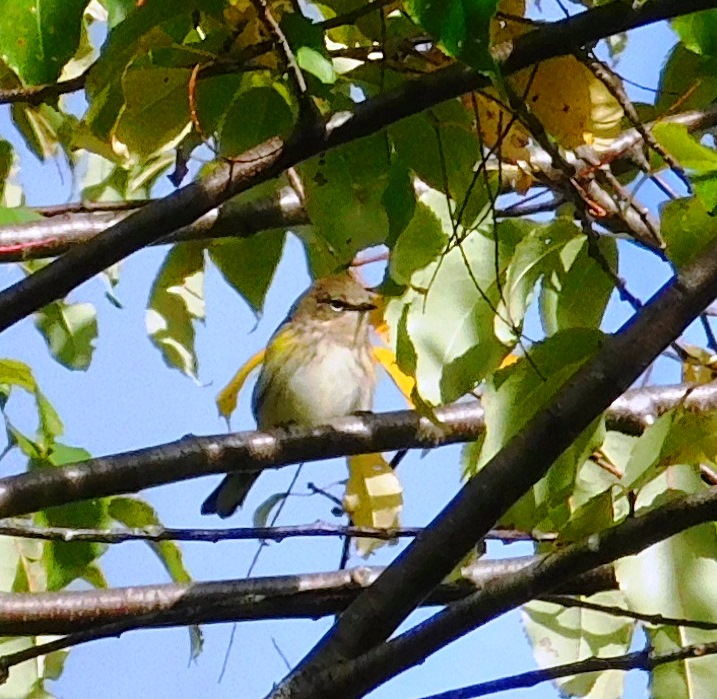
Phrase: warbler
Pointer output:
(317, 367)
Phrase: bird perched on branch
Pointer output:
(317, 366)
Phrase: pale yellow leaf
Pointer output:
(374, 497)
(227, 398)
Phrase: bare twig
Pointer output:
(646, 659)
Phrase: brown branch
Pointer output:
(308, 595)
(522, 462)
(192, 457)
(63, 231)
(36, 94)
(69, 225)
(274, 156)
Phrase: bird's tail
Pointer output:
(229, 495)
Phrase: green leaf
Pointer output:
(443, 150)
(399, 200)
(687, 79)
(421, 243)
(561, 635)
(69, 330)
(451, 311)
(575, 293)
(40, 126)
(687, 229)
(313, 62)
(699, 161)
(462, 28)
(675, 577)
(534, 257)
(698, 31)
(344, 194)
(136, 513)
(155, 111)
(9, 559)
(517, 393)
(254, 116)
(15, 373)
(175, 302)
(39, 36)
(405, 351)
(248, 264)
(18, 214)
(128, 42)
(66, 561)
(263, 512)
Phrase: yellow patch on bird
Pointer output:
(374, 497)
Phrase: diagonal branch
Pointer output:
(354, 678)
(274, 156)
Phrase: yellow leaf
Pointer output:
(227, 397)
(387, 359)
(374, 497)
(700, 367)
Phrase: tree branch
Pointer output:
(58, 233)
(647, 660)
(308, 595)
(354, 678)
(655, 619)
(67, 226)
(274, 156)
(318, 529)
(193, 457)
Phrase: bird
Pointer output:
(318, 366)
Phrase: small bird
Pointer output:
(317, 366)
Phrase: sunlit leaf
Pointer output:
(69, 330)
(175, 302)
(374, 497)
(32, 44)
(248, 264)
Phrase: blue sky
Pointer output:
(129, 399)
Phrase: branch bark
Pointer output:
(310, 595)
(193, 457)
(62, 230)
(274, 156)
(354, 678)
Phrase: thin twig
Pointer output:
(655, 619)
(646, 659)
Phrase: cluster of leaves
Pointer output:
(174, 76)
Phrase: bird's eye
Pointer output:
(336, 305)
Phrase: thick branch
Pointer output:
(75, 225)
(355, 678)
(192, 457)
(274, 156)
(57, 234)
(310, 595)
(513, 471)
